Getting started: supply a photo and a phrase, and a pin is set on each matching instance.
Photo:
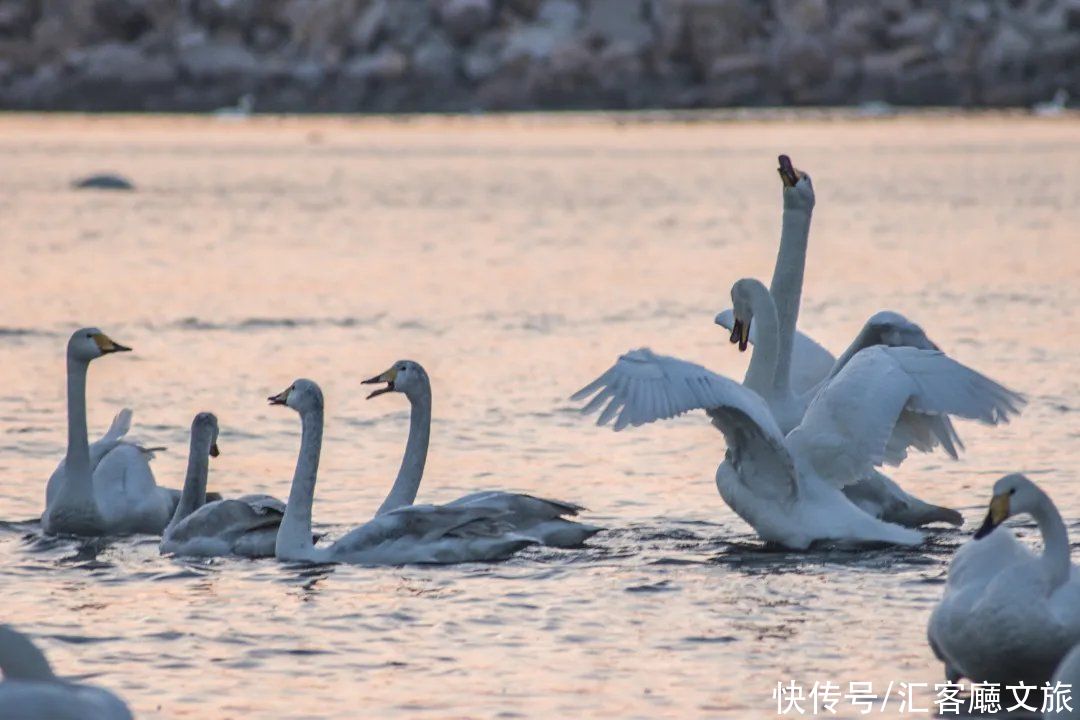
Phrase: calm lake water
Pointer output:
(515, 259)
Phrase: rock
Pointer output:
(368, 27)
(103, 181)
(525, 8)
(560, 15)
(386, 65)
(718, 27)
(17, 17)
(463, 20)
(204, 60)
(116, 62)
(435, 59)
(618, 21)
(803, 17)
(482, 60)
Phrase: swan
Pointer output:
(30, 690)
(1066, 674)
(246, 526)
(1007, 614)
(107, 488)
(788, 488)
(405, 535)
(529, 516)
(877, 494)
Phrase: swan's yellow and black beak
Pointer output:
(214, 452)
(788, 174)
(387, 377)
(282, 398)
(107, 345)
(740, 333)
(998, 512)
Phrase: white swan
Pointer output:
(789, 488)
(107, 488)
(246, 526)
(30, 690)
(1007, 614)
(405, 535)
(877, 494)
(529, 516)
(1066, 674)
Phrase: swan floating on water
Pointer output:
(106, 488)
(789, 489)
(246, 526)
(795, 367)
(401, 536)
(31, 691)
(542, 520)
(1008, 614)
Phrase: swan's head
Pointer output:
(90, 343)
(742, 294)
(302, 396)
(405, 376)
(798, 189)
(895, 330)
(1013, 495)
(204, 433)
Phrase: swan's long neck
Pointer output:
(294, 540)
(787, 282)
(78, 487)
(863, 340)
(761, 373)
(20, 659)
(193, 495)
(1055, 556)
(410, 474)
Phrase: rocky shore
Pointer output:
(477, 55)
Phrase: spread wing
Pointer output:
(851, 425)
(642, 387)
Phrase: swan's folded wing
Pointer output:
(225, 519)
(810, 362)
(519, 504)
(642, 387)
(851, 425)
(423, 524)
(120, 427)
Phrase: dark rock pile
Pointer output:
(465, 55)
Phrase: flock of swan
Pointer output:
(805, 432)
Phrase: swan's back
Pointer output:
(429, 534)
(542, 520)
(245, 526)
(35, 700)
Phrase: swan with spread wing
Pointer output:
(790, 488)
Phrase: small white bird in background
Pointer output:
(1008, 614)
(31, 691)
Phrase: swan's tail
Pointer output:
(121, 426)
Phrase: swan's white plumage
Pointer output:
(30, 690)
(766, 479)
(811, 363)
(846, 437)
(1008, 614)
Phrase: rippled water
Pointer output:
(514, 259)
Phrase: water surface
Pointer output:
(515, 259)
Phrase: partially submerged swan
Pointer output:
(405, 535)
(789, 489)
(246, 526)
(1008, 614)
(107, 488)
(31, 691)
(542, 520)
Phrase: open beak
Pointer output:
(214, 452)
(108, 345)
(740, 333)
(788, 174)
(281, 398)
(387, 377)
(999, 510)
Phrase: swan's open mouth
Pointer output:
(387, 377)
(740, 333)
(281, 398)
(788, 175)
